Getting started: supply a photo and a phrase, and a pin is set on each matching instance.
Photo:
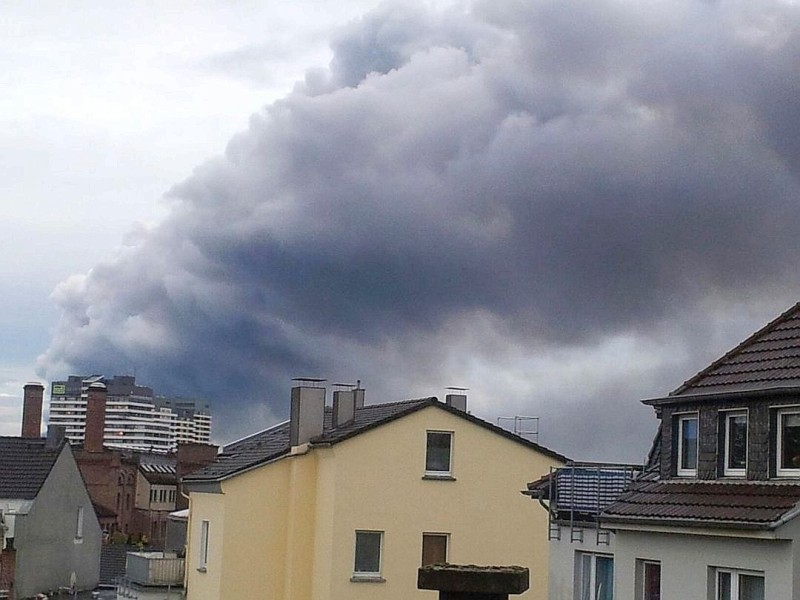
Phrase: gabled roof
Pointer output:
(768, 359)
(273, 443)
(746, 505)
(25, 464)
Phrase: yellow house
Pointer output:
(347, 502)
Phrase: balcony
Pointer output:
(154, 568)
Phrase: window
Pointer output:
(203, 558)
(648, 580)
(438, 453)
(79, 524)
(789, 442)
(735, 440)
(687, 445)
(594, 576)
(739, 585)
(367, 563)
(434, 548)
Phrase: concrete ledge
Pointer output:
(474, 579)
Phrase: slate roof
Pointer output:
(273, 443)
(25, 464)
(746, 505)
(770, 358)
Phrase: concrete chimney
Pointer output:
(358, 394)
(344, 407)
(32, 410)
(457, 398)
(95, 417)
(307, 410)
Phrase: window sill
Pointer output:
(367, 579)
(443, 477)
(202, 570)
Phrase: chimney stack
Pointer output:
(358, 394)
(56, 434)
(457, 398)
(32, 410)
(307, 410)
(344, 405)
(95, 417)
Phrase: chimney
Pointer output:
(344, 405)
(358, 394)
(307, 410)
(95, 417)
(56, 434)
(32, 410)
(457, 398)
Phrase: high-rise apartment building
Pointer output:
(135, 418)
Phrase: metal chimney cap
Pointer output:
(97, 385)
(34, 384)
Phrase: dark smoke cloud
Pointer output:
(566, 206)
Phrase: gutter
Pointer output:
(743, 394)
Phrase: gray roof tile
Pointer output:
(25, 463)
(273, 443)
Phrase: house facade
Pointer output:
(51, 536)
(715, 516)
(348, 502)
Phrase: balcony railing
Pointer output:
(154, 568)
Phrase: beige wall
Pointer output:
(372, 481)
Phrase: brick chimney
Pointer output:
(307, 410)
(95, 417)
(32, 410)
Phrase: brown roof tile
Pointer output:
(751, 504)
(770, 358)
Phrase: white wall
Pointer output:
(686, 561)
(562, 560)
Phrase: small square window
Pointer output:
(735, 440)
(368, 554)
(687, 445)
(434, 548)
(438, 453)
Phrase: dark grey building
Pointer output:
(51, 536)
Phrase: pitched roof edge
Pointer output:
(765, 329)
(433, 401)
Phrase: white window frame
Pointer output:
(735, 574)
(780, 471)
(728, 415)
(641, 577)
(446, 537)
(681, 419)
(441, 474)
(579, 574)
(368, 575)
(202, 559)
(79, 525)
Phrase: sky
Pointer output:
(566, 207)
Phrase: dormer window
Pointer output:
(735, 443)
(687, 445)
(788, 447)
